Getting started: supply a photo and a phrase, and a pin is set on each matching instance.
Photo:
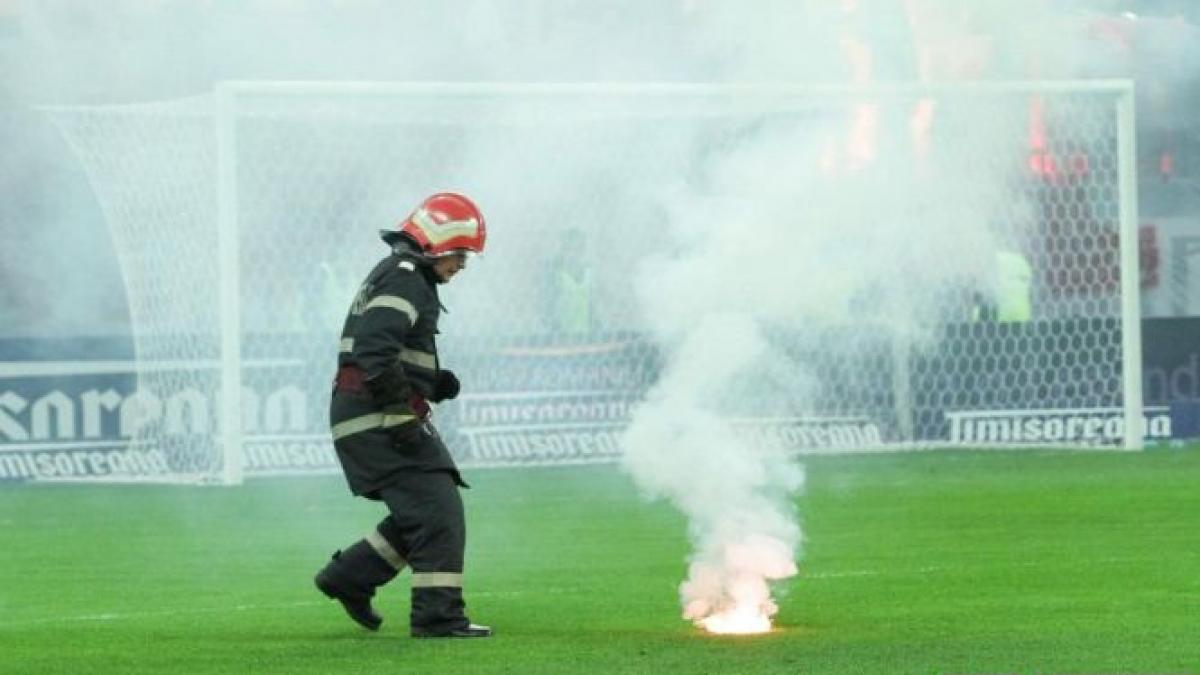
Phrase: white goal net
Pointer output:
(972, 253)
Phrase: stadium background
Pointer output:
(1033, 560)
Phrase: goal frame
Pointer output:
(227, 94)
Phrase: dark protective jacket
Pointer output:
(391, 326)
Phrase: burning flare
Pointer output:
(732, 596)
(734, 490)
(739, 620)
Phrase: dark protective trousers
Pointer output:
(428, 528)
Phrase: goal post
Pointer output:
(1131, 307)
(244, 220)
(229, 281)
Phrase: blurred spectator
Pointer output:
(1010, 299)
(570, 288)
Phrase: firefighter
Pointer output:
(388, 374)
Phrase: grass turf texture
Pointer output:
(919, 562)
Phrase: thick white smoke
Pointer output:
(771, 246)
(683, 445)
(830, 219)
(55, 52)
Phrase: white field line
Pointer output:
(936, 569)
(802, 577)
(122, 616)
(126, 616)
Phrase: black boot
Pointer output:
(351, 578)
(439, 612)
(471, 630)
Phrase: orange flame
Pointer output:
(738, 620)
(746, 608)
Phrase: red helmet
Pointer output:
(444, 223)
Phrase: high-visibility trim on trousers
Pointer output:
(385, 550)
(437, 579)
(357, 425)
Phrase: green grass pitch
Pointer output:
(1022, 561)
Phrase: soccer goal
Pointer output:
(1006, 312)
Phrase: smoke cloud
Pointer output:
(66, 52)
(880, 212)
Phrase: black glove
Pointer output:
(445, 387)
